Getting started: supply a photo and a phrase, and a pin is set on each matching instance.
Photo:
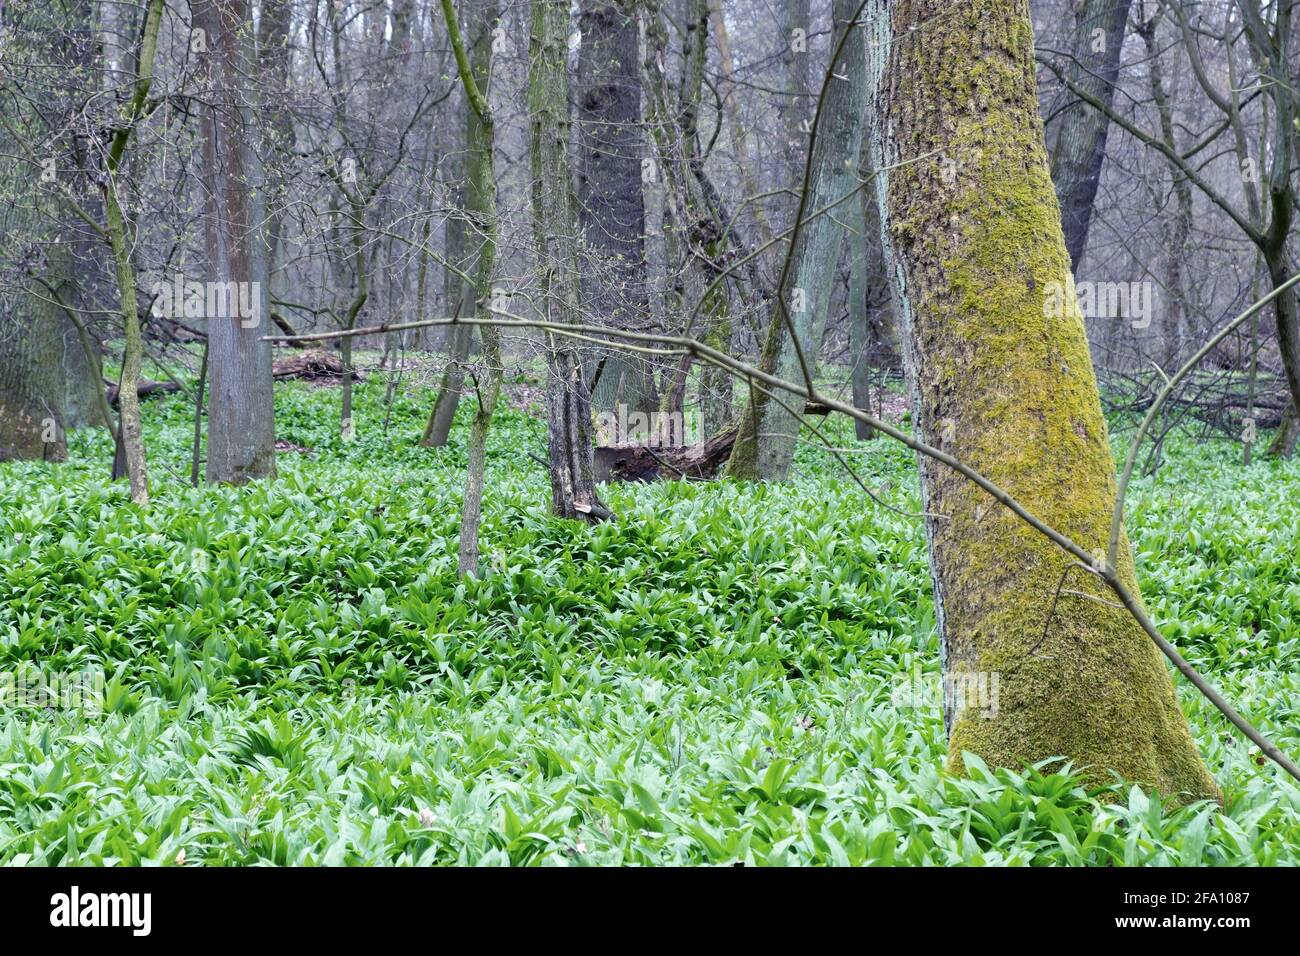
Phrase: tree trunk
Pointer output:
(481, 189)
(1081, 143)
(275, 56)
(573, 487)
(864, 220)
(460, 338)
(130, 430)
(241, 407)
(31, 373)
(612, 208)
(1286, 311)
(705, 230)
(768, 432)
(1177, 233)
(77, 271)
(795, 112)
(83, 379)
(1030, 672)
(1288, 430)
(438, 429)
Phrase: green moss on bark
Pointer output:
(1007, 387)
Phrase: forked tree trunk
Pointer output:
(1031, 671)
(573, 486)
(474, 65)
(438, 428)
(768, 431)
(241, 406)
(130, 429)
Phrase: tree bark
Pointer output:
(459, 341)
(1009, 391)
(241, 406)
(864, 253)
(31, 372)
(573, 487)
(611, 204)
(1081, 142)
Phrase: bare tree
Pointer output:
(555, 227)
(1080, 148)
(765, 442)
(241, 410)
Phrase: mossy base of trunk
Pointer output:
(1284, 439)
(1097, 694)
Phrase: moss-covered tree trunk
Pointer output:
(1008, 388)
(555, 220)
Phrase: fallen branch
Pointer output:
(146, 388)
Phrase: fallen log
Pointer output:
(312, 365)
(700, 461)
(144, 389)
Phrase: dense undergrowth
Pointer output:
(724, 674)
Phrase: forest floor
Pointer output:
(724, 674)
